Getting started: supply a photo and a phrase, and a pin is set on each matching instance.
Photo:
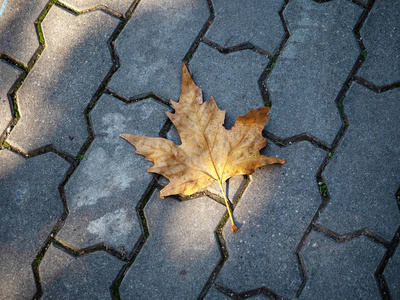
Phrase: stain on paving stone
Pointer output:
(312, 68)
(121, 5)
(230, 78)
(30, 207)
(381, 37)
(239, 22)
(85, 277)
(363, 175)
(62, 82)
(152, 45)
(182, 248)
(104, 190)
(341, 270)
(8, 75)
(274, 213)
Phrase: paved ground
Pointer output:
(82, 219)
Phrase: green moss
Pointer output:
(323, 189)
(364, 53)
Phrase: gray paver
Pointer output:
(85, 277)
(153, 44)
(182, 247)
(213, 294)
(382, 39)
(363, 175)
(55, 93)
(392, 274)
(120, 5)
(30, 207)
(17, 30)
(104, 190)
(312, 68)
(238, 22)
(341, 271)
(274, 212)
(8, 75)
(230, 78)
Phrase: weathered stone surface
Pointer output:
(312, 68)
(382, 40)
(274, 212)
(363, 175)
(59, 87)
(182, 247)
(120, 5)
(153, 44)
(238, 22)
(8, 75)
(30, 207)
(392, 275)
(104, 190)
(85, 277)
(17, 29)
(230, 78)
(213, 294)
(341, 271)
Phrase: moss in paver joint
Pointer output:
(364, 53)
(323, 189)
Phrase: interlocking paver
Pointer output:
(392, 274)
(274, 212)
(182, 248)
(85, 277)
(381, 38)
(312, 68)
(17, 29)
(30, 207)
(8, 75)
(213, 294)
(230, 78)
(103, 192)
(121, 5)
(341, 270)
(153, 44)
(363, 175)
(239, 22)
(61, 84)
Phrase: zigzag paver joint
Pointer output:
(85, 221)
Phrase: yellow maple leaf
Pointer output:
(209, 152)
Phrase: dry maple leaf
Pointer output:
(209, 152)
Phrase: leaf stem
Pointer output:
(233, 228)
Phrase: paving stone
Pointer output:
(341, 270)
(17, 30)
(392, 274)
(312, 68)
(120, 5)
(238, 22)
(152, 45)
(30, 207)
(61, 84)
(213, 294)
(104, 190)
(8, 75)
(382, 39)
(182, 247)
(85, 277)
(363, 175)
(230, 78)
(274, 212)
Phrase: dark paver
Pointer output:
(30, 207)
(341, 270)
(8, 75)
(17, 29)
(103, 192)
(121, 5)
(152, 45)
(230, 78)
(392, 274)
(238, 22)
(274, 212)
(182, 247)
(381, 38)
(61, 84)
(313, 68)
(363, 175)
(85, 277)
